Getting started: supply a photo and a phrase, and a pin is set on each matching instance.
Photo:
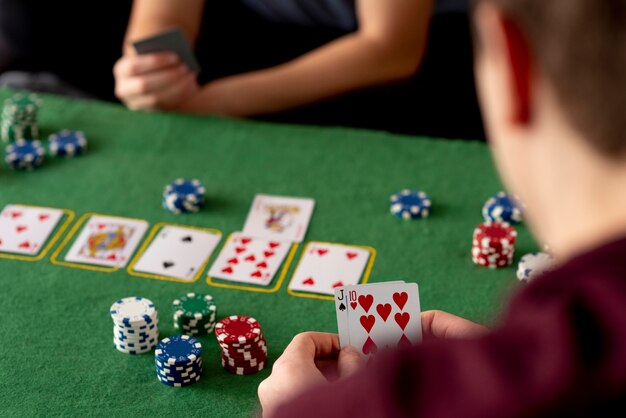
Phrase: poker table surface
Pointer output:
(56, 355)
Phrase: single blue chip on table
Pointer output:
(184, 196)
(24, 154)
(409, 204)
(178, 350)
(503, 208)
(67, 143)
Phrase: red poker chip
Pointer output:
(243, 347)
(238, 329)
(490, 234)
(245, 356)
(244, 363)
(243, 370)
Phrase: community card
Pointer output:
(325, 266)
(178, 252)
(25, 229)
(341, 310)
(385, 316)
(279, 218)
(249, 260)
(107, 241)
(170, 40)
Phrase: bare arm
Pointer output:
(388, 46)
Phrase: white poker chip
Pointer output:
(133, 310)
(533, 265)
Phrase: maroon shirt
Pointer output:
(561, 351)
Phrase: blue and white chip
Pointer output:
(67, 143)
(184, 196)
(409, 204)
(533, 265)
(24, 154)
(503, 208)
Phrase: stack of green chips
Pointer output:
(194, 314)
(19, 118)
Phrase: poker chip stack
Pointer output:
(409, 204)
(183, 196)
(493, 245)
(67, 143)
(503, 208)
(244, 350)
(135, 329)
(24, 154)
(178, 361)
(533, 265)
(194, 314)
(19, 118)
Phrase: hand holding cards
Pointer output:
(378, 316)
(170, 40)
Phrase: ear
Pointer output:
(505, 45)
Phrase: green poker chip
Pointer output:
(194, 314)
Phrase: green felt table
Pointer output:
(56, 353)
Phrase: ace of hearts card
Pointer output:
(107, 241)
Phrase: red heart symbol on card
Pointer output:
(367, 322)
(400, 298)
(337, 284)
(25, 244)
(353, 304)
(256, 274)
(383, 310)
(274, 244)
(366, 301)
(322, 251)
(112, 257)
(251, 257)
(21, 228)
(404, 342)
(43, 217)
(351, 255)
(369, 347)
(262, 265)
(101, 226)
(233, 261)
(228, 270)
(239, 250)
(309, 281)
(268, 254)
(245, 241)
(402, 319)
(15, 215)
(0, 242)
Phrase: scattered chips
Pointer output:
(244, 349)
(24, 155)
(135, 329)
(534, 265)
(409, 204)
(67, 143)
(493, 244)
(194, 314)
(503, 208)
(178, 360)
(19, 118)
(184, 196)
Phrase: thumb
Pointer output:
(349, 362)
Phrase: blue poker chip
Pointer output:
(502, 208)
(184, 196)
(24, 154)
(184, 382)
(409, 204)
(67, 143)
(178, 350)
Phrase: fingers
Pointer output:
(311, 345)
(439, 324)
(350, 362)
(166, 98)
(153, 82)
(129, 66)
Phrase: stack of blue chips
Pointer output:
(409, 204)
(178, 361)
(67, 143)
(502, 208)
(184, 196)
(24, 154)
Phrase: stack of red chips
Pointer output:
(494, 244)
(244, 350)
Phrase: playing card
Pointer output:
(249, 260)
(25, 229)
(169, 40)
(178, 252)
(341, 310)
(384, 316)
(325, 266)
(279, 218)
(107, 241)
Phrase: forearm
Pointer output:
(347, 64)
(152, 16)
